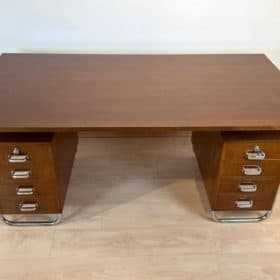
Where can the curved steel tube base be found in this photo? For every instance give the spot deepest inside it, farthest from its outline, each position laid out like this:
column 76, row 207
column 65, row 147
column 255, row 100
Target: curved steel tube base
column 32, row 223
column 240, row 219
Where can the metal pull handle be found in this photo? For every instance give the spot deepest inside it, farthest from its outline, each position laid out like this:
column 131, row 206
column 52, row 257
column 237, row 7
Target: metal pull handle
column 25, row 191
column 244, row 204
column 256, row 154
column 16, row 157
column 21, row 174
column 247, row 187
column 28, row 207
column 251, row 170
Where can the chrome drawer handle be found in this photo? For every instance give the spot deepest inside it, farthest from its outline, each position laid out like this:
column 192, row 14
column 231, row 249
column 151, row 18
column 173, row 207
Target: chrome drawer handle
column 25, row 191
column 247, row 187
column 256, row 154
column 16, row 157
column 251, row 170
column 244, row 204
column 21, row 174
column 28, row 207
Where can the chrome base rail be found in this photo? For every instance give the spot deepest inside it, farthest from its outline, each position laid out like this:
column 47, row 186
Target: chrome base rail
column 32, row 223
column 240, row 219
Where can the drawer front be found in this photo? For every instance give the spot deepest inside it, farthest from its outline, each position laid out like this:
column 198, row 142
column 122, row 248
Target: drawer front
column 13, row 154
column 244, row 202
column 243, row 185
column 22, row 173
column 252, row 168
column 28, row 188
column 243, row 150
column 30, row 205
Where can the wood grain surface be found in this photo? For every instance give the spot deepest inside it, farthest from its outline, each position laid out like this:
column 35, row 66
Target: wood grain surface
column 192, row 92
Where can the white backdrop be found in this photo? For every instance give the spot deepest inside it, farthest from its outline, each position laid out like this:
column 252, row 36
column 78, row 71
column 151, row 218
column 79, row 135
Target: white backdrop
column 139, row 26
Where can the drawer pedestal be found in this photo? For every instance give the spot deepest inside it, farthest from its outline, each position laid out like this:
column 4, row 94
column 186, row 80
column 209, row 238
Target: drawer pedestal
column 35, row 170
column 240, row 170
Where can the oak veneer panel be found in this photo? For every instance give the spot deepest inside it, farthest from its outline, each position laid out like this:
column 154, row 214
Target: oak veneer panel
column 195, row 92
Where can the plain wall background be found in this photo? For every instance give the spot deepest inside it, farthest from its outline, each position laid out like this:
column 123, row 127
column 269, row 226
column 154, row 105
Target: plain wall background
column 139, row 26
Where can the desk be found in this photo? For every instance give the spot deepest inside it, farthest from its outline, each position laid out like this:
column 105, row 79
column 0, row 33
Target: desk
column 230, row 103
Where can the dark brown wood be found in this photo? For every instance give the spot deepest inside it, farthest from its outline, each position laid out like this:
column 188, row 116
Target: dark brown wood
column 38, row 152
column 221, row 156
column 208, row 147
column 264, row 186
column 43, row 171
column 43, row 187
column 54, row 92
column 46, row 205
column 237, row 144
column 139, row 132
column 269, row 168
column 51, row 159
column 132, row 94
column 260, row 202
column 64, row 148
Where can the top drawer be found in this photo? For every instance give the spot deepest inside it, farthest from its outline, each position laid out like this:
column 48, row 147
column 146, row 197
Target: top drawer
column 252, row 146
column 28, row 149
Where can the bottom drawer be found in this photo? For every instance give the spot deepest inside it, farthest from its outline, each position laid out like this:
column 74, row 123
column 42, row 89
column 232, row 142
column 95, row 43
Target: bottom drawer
column 30, row 205
column 239, row 202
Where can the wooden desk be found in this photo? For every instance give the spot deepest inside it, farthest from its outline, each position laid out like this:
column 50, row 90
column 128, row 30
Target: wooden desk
column 46, row 99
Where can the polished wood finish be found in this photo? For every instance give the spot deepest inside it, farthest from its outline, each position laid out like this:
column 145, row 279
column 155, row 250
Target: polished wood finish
column 64, row 148
column 38, row 172
column 237, row 143
column 54, row 92
column 264, row 185
column 36, row 146
column 46, row 205
column 207, row 147
column 43, row 187
column 66, row 94
column 221, row 167
column 227, row 202
column 51, row 157
column 269, row 168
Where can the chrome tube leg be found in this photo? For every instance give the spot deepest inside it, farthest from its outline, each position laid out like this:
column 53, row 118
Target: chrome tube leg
column 32, row 223
column 240, row 219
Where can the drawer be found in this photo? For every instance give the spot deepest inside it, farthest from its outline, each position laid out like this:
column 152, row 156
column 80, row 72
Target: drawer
column 252, row 168
column 38, row 187
column 253, row 149
column 27, row 148
column 30, row 205
column 243, row 185
column 22, row 173
column 245, row 202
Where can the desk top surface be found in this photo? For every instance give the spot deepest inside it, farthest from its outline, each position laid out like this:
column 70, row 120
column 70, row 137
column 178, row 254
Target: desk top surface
column 194, row 92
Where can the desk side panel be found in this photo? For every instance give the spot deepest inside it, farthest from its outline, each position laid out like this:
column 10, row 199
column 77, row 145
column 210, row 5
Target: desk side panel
column 64, row 148
column 208, row 147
